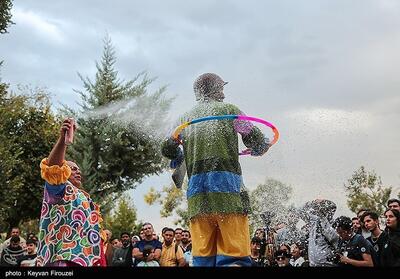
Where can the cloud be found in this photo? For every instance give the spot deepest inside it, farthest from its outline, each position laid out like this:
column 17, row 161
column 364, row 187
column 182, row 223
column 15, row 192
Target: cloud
column 331, row 121
column 48, row 28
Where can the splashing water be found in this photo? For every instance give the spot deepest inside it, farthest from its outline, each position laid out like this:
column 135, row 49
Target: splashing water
column 145, row 114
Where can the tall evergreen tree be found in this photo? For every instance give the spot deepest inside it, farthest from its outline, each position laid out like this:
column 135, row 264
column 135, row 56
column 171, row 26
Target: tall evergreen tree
column 365, row 190
column 115, row 156
column 5, row 15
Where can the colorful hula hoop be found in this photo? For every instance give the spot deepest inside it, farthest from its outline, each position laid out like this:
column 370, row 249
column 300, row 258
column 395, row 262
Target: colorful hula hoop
column 179, row 129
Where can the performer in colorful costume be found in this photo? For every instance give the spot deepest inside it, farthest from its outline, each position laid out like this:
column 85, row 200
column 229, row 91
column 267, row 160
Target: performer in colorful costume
column 70, row 221
column 217, row 201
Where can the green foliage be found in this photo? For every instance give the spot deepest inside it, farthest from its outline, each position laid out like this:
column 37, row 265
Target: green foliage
column 365, row 190
column 272, row 196
column 29, row 226
column 183, row 221
column 172, row 200
column 122, row 219
column 138, row 227
column 112, row 159
column 107, row 87
column 27, row 132
column 5, row 15
column 115, row 156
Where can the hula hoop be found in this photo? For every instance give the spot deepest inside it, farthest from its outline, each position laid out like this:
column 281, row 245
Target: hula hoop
column 179, row 129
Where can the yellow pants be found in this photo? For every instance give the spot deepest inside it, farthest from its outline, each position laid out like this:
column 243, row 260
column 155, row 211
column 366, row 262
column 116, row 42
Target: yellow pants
column 220, row 240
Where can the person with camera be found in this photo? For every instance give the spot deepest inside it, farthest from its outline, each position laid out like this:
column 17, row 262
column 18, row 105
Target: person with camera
column 148, row 257
column 268, row 238
column 139, row 253
column 261, row 235
column 353, row 249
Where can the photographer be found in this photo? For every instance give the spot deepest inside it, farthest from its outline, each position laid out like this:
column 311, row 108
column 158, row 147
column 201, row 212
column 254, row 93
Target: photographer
column 148, row 257
column 267, row 236
column 138, row 250
column 355, row 249
column 261, row 235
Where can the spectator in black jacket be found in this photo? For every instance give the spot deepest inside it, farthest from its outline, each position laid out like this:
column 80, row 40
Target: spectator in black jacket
column 378, row 237
column 391, row 250
column 11, row 252
column 123, row 256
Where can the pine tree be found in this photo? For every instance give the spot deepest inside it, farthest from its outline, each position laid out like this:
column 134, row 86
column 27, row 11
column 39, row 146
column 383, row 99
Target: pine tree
column 5, row 15
column 365, row 190
column 115, row 156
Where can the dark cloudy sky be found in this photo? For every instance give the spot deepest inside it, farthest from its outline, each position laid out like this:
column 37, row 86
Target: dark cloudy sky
column 324, row 72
